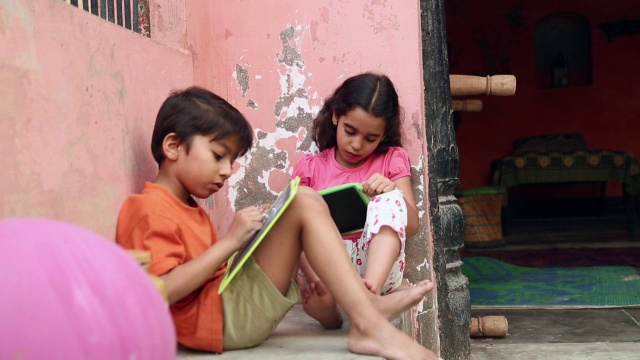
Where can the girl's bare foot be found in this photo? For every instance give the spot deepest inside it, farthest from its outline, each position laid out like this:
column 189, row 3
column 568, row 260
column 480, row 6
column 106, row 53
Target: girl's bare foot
column 405, row 284
column 380, row 338
column 318, row 303
column 394, row 304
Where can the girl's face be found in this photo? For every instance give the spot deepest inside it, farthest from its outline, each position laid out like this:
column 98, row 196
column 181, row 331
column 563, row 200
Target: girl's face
column 358, row 134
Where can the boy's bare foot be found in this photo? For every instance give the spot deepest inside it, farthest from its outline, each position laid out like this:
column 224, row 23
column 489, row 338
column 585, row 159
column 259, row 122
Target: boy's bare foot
column 380, row 338
column 394, row 304
column 318, row 303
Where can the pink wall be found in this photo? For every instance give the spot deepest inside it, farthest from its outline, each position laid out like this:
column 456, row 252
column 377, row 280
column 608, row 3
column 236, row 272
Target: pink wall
column 279, row 67
column 77, row 106
column 80, row 95
column 605, row 112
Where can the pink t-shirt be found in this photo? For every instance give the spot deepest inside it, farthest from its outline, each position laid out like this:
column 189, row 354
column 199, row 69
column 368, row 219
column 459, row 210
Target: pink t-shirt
column 321, row 171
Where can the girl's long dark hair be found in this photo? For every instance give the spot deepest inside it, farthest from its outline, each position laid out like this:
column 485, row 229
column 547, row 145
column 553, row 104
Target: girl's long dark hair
column 375, row 94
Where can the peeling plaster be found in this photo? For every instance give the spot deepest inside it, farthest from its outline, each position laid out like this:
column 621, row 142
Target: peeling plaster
column 424, row 264
column 251, row 104
column 287, row 99
column 292, row 112
column 418, row 184
column 289, row 55
column 242, row 78
column 415, row 124
column 383, row 20
column 20, row 13
column 236, row 178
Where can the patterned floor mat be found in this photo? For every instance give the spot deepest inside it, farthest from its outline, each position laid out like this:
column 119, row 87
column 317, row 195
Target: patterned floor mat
column 493, row 283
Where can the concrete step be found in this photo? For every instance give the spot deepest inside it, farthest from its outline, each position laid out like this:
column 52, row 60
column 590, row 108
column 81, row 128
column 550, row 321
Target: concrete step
column 297, row 337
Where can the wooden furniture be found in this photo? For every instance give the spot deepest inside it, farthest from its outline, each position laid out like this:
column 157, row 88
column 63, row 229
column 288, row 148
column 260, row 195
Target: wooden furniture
column 482, row 208
column 579, row 166
column 469, row 105
column 498, row 85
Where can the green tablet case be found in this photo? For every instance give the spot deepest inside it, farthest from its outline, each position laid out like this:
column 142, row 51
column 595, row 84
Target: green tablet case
column 278, row 207
column 348, row 206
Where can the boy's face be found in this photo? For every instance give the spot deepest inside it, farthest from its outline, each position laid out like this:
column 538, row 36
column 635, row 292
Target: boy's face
column 204, row 168
column 358, row 134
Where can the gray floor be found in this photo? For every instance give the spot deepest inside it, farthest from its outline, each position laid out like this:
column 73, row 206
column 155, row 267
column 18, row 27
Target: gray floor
column 545, row 334
column 563, row 334
column 594, row 334
column 609, row 334
column 297, row 337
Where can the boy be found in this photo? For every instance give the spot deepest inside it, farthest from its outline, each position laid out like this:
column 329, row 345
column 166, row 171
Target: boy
column 196, row 139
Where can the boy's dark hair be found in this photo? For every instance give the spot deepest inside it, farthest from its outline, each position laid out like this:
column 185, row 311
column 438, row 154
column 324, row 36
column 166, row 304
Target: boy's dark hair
column 197, row 111
column 375, row 94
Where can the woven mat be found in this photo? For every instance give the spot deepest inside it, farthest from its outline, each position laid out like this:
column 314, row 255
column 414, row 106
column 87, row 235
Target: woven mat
column 496, row 284
column 562, row 256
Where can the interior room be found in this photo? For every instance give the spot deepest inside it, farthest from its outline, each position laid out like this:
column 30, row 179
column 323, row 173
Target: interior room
column 576, row 68
column 549, row 176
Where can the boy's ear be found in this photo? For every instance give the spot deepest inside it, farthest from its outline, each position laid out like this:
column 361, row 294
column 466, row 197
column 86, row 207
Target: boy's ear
column 170, row 146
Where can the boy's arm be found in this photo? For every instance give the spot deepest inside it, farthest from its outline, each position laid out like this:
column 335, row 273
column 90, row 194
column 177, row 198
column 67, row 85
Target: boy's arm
column 187, row 277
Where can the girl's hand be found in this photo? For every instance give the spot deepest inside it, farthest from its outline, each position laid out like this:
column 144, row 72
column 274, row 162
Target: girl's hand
column 377, row 184
column 245, row 224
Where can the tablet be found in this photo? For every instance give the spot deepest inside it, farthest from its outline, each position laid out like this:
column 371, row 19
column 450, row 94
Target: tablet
column 278, row 207
column 348, row 206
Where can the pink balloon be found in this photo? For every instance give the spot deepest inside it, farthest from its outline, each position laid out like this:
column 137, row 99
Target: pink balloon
column 68, row 293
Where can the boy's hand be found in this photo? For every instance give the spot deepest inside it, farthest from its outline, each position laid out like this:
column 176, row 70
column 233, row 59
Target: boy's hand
column 245, row 224
column 377, row 184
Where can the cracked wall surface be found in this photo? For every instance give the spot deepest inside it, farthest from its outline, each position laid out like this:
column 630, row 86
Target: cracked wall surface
column 297, row 56
column 280, row 72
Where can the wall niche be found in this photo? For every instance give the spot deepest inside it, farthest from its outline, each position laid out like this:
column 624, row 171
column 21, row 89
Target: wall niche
column 563, row 51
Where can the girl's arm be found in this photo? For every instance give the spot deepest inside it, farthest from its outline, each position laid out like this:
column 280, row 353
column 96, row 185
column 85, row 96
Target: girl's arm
column 307, row 270
column 378, row 184
column 404, row 184
column 187, row 277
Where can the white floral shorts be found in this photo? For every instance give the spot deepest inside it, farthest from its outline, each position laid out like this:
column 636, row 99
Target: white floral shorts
column 388, row 209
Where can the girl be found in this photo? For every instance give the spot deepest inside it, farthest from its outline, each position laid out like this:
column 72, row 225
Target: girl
column 359, row 137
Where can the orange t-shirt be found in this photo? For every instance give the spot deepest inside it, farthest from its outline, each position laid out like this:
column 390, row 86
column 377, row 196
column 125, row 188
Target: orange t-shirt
column 174, row 233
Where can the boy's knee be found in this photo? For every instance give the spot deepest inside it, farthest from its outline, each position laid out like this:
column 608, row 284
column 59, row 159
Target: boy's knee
column 308, row 194
column 310, row 198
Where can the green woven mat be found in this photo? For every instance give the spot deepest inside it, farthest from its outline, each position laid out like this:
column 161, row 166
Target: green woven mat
column 496, row 284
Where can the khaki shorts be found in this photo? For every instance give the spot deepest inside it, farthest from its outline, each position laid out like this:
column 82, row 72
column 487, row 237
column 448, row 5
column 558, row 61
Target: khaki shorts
column 253, row 307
